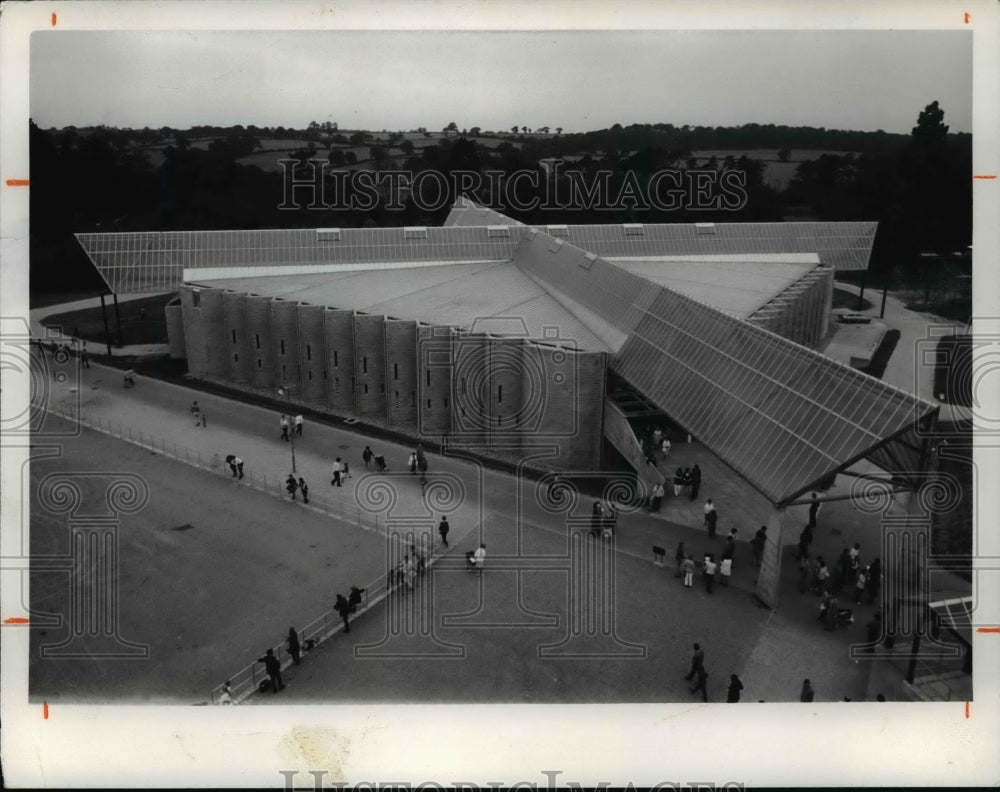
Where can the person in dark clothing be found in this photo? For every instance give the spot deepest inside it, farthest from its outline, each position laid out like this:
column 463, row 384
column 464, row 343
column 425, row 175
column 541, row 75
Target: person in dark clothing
column 84, row 357
column 304, row 489
column 354, row 598
column 344, row 609
column 805, row 539
column 366, row 457
column 757, row 545
column 291, row 485
column 695, row 481
column 596, row 518
column 807, row 694
column 709, row 572
column 711, row 520
column 273, row 669
column 679, row 557
column 697, row 661
column 813, row 510
column 874, row 580
column 701, row 678
column 735, row 686
column 292, row 642
column 730, row 549
column 443, row 529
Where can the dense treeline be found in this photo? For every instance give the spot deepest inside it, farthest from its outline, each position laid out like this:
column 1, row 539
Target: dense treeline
column 917, row 186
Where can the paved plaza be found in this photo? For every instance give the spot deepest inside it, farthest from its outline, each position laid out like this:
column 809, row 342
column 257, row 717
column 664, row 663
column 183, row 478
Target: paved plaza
column 208, row 600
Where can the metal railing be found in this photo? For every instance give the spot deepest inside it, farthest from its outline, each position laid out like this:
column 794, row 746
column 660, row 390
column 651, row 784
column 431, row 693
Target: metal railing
column 334, row 508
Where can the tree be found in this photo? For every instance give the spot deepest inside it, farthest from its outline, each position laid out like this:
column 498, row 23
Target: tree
column 930, row 126
column 452, row 127
column 475, row 131
column 358, row 138
column 784, row 153
column 544, row 130
column 514, row 128
column 379, row 154
column 350, row 158
column 406, row 146
column 559, row 130
column 336, row 158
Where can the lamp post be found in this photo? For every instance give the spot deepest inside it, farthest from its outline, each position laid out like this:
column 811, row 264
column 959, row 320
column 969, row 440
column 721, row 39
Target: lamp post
column 286, row 391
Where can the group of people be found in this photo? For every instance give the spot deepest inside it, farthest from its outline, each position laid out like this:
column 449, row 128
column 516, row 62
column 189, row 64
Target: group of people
column 687, row 481
column 710, row 567
column 700, row 677
column 291, row 486
column 272, row 665
column 405, row 573
column 603, row 520
column 283, row 424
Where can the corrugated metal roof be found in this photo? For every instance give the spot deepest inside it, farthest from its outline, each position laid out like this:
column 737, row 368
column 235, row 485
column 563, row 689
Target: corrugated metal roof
column 469, row 213
column 780, row 414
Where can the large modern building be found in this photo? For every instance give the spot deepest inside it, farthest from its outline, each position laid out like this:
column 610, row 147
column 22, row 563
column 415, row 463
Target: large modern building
column 530, row 342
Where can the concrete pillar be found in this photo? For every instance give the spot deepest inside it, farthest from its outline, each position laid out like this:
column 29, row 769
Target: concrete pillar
column 769, row 578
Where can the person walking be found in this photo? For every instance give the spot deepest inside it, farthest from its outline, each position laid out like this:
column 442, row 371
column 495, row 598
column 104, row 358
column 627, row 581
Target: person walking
column 443, row 529
column 701, row 680
column 758, row 543
column 695, row 482
column 678, row 481
column 679, row 557
column 196, row 413
column 596, row 518
column 657, row 499
column 686, row 481
column 84, row 357
column 366, row 457
column 418, row 559
column 710, row 567
column 273, row 668
column 665, row 448
column 735, row 686
column 299, row 420
column 822, row 577
column 730, row 549
column 291, row 485
column 805, row 539
column 304, row 489
column 283, row 423
column 814, row 508
column 411, row 462
column 657, row 437
column 343, row 608
column 711, row 518
column 338, row 470
column 697, row 661
column 235, row 465
column 688, row 567
column 808, row 694
column 725, row 571
column 294, row 648
column 843, row 571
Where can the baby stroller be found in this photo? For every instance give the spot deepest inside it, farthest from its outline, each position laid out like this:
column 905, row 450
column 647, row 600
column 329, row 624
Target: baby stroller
column 380, row 464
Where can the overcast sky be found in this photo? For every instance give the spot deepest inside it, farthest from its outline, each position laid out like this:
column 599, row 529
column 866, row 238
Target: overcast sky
column 575, row 80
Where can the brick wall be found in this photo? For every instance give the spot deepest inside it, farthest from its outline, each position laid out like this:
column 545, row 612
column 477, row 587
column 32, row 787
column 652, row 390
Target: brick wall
column 174, row 314
column 312, row 354
column 401, row 373
column 369, row 365
column 234, row 314
column 285, row 341
column 259, row 341
column 434, row 372
column 340, row 360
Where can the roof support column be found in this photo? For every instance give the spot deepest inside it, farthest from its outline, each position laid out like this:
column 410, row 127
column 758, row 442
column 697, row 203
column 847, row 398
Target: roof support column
column 769, row 577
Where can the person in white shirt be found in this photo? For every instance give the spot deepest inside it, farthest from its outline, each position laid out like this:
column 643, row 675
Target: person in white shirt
column 725, row 570
column 479, row 558
column 338, row 469
column 298, row 425
column 283, row 423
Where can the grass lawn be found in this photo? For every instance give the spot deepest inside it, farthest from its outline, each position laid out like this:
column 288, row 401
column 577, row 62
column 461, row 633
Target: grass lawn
column 142, row 321
column 845, row 299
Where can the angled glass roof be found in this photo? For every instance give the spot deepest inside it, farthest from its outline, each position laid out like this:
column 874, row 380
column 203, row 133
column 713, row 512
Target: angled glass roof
column 155, row 260
column 781, row 415
column 844, row 246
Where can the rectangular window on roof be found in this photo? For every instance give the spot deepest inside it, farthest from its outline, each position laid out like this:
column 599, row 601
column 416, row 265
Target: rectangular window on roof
column 704, row 229
column 633, row 229
column 558, row 230
column 556, row 244
column 364, row 365
column 256, row 340
column 497, row 231
column 395, row 371
column 282, row 342
column 327, row 234
column 414, row 232
column 588, row 260
column 234, row 336
column 335, row 363
column 428, row 378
